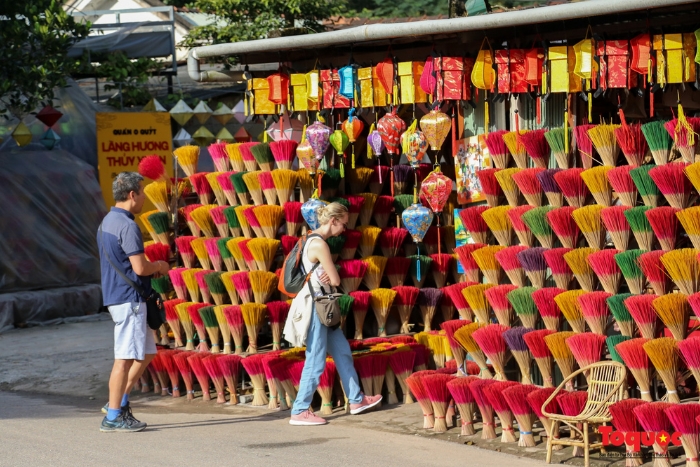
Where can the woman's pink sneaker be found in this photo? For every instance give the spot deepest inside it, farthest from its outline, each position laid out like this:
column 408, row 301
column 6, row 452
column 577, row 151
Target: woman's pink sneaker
column 306, row 418
column 367, row 403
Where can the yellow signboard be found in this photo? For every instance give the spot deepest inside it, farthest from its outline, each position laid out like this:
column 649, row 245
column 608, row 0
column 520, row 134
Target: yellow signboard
column 123, row 139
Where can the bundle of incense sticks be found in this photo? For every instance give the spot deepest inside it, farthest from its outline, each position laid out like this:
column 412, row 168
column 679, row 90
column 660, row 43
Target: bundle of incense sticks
column 243, row 287
column 561, row 353
column 465, row 401
column 202, row 284
column 490, row 186
column 536, row 399
column 181, row 361
column 368, row 239
column 570, row 308
column 524, row 306
column 608, row 272
column 617, row 225
column 659, row 141
column 200, row 249
column 652, row 417
column 474, row 223
column 509, row 260
column 184, row 247
column 577, row 261
column 572, row 404
column 529, row 185
column 464, row 336
column 383, row 207
column 396, row 269
column 564, row 226
column 285, row 182
column 625, row 421
column 558, row 139
column 641, row 309
column 550, row 187
column 361, row 305
column 586, row 348
column 646, row 186
column 391, row 239
column 561, row 272
column 201, row 186
column 664, row 223
column 381, row 301
column 664, row 355
column 415, row 384
column 401, row 178
column 498, row 299
column 684, row 420
column 454, row 292
column 490, row 340
column 173, row 320
column 211, row 324
column 594, row 308
column 522, row 231
column 436, row 388
column 351, row 273
column 536, row 220
column 428, row 300
column 624, row 320
column 621, row 181
column 537, row 147
column 419, row 269
column 354, row 207
column 603, row 138
column 584, row 144
column 253, row 365
column 516, row 396
column 217, row 377
column 690, row 351
column 485, row 258
column 548, row 308
column 476, row 298
column 683, row 268
column 440, row 267
column 367, row 207
column 534, row 264
column 254, row 315
column 596, row 179
column 497, row 148
column 401, row 364
column 252, row 220
column 572, row 186
column 200, row 372
column 469, row 265
column 494, row 393
column 672, row 183
column 516, row 148
column 488, row 423
column 541, row 353
column 636, row 359
column 359, row 178
column 589, row 221
column 518, row 347
column 690, row 220
column 252, row 182
column 450, row 327
column 674, row 311
column 375, row 271
column 352, row 241
column 655, row 271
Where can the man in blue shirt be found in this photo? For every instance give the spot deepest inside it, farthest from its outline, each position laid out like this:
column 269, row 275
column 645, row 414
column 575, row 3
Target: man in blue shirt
column 134, row 343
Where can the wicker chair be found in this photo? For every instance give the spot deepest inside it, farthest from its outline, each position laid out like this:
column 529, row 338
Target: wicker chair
column 605, row 387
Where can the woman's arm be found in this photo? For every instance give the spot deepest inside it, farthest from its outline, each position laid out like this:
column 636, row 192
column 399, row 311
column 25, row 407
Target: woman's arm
column 319, row 252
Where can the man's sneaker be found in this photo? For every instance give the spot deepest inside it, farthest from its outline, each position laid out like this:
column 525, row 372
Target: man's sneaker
column 367, row 403
column 122, row 423
column 105, row 408
column 306, row 418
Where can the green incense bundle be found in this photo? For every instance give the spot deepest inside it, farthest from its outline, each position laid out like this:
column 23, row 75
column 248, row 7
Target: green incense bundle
column 232, row 219
column 645, row 185
column 160, row 221
column 340, row 200
column 263, row 156
column 330, row 182
column 226, row 255
column 335, row 244
column 537, row 222
column 238, row 183
column 425, row 263
column 611, row 342
column 162, row 285
column 620, row 313
column 345, row 303
column 641, row 228
column 208, row 315
column 659, row 141
column 216, row 287
column 627, row 260
column 524, row 306
column 555, row 138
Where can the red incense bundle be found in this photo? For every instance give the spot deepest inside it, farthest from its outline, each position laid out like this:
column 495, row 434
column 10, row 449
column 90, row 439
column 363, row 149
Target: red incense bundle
column 401, row 364
column 536, row 400
column 173, row 320
column 684, row 417
column 624, row 420
column 457, row 351
column 184, row 247
column 489, row 186
column 637, row 361
column 584, row 145
column 586, row 347
column 522, row 231
column 497, row 298
column 548, row 308
column 277, row 312
column 217, row 377
column 359, row 311
column 288, row 242
column 616, row 224
column 253, row 365
column 642, row 312
column 494, row 393
column 415, row 384
column 193, row 311
column 508, row 259
column 497, row 148
column 454, row 292
column 530, row 185
column 490, row 339
column 664, row 223
column 201, row 186
column 248, row 157
column 242, row 284
column 561, row 272
column 236, row 323
column 293, row 217
column 654, row 270
column 595, row 310
column 187, row 213
column 405, row 300
column 422, row 356
column 572, row 404
column 352, row 241
column 621, row 181
column 284, row 152
column 436, row 388
column 383, row 208
column 572, row 186
column 563, row 225
column 355, row 206
column 474, row 223
column 540, row 352
column 351, row 272
column 478, row 388
column 441, row 266
column 170, row 367
column 652, row 417
column 469, row 265
column 464, row 399
column 671, row 181
column 200, row 372
column 605, row 267
column 516, row 397
column 181, row 359
column 229, row 365
column 157, row 252
column 391, row 239
column 537, row 147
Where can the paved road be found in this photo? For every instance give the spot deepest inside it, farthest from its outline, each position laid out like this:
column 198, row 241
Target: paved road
column 59, row 431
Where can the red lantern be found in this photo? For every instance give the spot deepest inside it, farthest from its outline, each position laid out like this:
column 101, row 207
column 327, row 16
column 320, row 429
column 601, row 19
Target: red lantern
column 385, row 73
column 436, row 189
column 279, row 88
column 390, row 127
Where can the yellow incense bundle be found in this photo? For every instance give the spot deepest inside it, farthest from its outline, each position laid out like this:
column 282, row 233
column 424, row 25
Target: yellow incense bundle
column 674, row 311
column 254, row 317
column 499, row 222
column 516, row 148
column 476, row 298
column 485, row 258
column 591, row 225
column 556, row 343
column 464, row 337
column 202, row 217
column 226, row 278
column 264, row 284
column 200, row 249
column 270, row 218
column 508, row 185
column 571, row 309
column 186, row 322
column 234, row 155
column 216, row 188
column 381, row 301
column 596, row 179
column 375, row 271
column 683, row 267
column 368, row 240
column 605, row 143
column 577, row 259
column 663, row 353
column 264, row 251
column 191, row 282
column 253, row 183
column 187, row 157
column 285, row 183
column 157, row 193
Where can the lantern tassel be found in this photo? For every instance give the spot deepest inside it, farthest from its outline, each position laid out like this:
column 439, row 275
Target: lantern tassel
column 391, row 175
column 684, row 125
column 418, row 262
column 319, row 184
column 353, row 156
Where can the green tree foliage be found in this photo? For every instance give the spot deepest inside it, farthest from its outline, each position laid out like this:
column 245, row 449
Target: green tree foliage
column 394, row 9
column 34, row 40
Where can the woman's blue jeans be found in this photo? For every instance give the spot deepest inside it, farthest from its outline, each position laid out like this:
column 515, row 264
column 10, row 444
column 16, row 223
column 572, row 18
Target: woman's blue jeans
column 319, row 341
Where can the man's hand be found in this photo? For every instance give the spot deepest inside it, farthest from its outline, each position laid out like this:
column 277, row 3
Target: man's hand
column 163, row 267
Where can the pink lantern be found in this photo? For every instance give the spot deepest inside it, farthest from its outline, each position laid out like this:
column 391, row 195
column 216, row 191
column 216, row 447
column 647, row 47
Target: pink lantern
column 318, row 136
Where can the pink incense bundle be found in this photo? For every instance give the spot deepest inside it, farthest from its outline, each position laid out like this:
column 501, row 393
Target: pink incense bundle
column 242, row 284
column 216, row 376
column 616, row 224
column 587, row 348
column 248, row 255
column 288, row 243
column 672, row 182
column 391, row 239
column 624, row 186
column 652, row 417
column 625, row 421
column 684, row 135
column 254, row 366
column 469, row 265
column 253, row 222
column 355, row 206
column 464, row 399
column 497, row 298
column 655, row 272
column 187, row 212
column 637, row 361
column 440, row 267
column 201, row 186
column 436, row 388
column 535, row 341
column 584, row 145
column 214, row 253
column 684, row 417
column 284, row 152
column 489, row 186
column 351, row 272
column 396, row 269
column 488, row 425
column 561, row 272
column 251, row 164
column 219, row 156
column 229, row 365
column 642, row 312
column 474, row 223
column 572, row 186
column 530, row 185
column 548, row 308
column 536, row 400
column 605, row 267
column 521, row 229
column 497, row 149
column 200, row 372
column 450, row 327
column 359, row 310
column 183, row 365
column 494, row 393
column 572, row 404
column 184, row 247
column 352, row 241
column 516, row 397
column 383, row 208
column 202, row 283
column 415, row 384
column 267, row 185
column 193, row 312
column 537, row 147
column 664, row 223
column 454, row 292
column 594, row 308
column 508, row 259
column 490, row 340
column 277, row 312
column 550, row 187
column 564, row 226
column 224, row 181
column 292, row 214
column 220, row 221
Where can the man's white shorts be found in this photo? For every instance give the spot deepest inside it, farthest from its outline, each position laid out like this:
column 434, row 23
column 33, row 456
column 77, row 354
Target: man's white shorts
column 133, row 340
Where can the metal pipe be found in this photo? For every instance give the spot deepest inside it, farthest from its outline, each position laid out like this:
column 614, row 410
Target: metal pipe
column 210, row 75
column 375, row 32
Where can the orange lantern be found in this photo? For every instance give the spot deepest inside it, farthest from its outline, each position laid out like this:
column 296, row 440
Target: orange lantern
column 353, row 127
column 279, row 88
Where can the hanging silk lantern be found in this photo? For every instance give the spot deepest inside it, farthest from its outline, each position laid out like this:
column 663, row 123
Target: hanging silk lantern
column 279, row 88
column 306, row 156
column 385, row 74
column 436, row 126
column 390, row 127
column 317, row 134
column 339, row 140
column 309, row 211
column 348, row 79
column 436, row 188
column 417, row 219
column 353, row 127
column 417, row 147
column 404, row 136
column 376, row 142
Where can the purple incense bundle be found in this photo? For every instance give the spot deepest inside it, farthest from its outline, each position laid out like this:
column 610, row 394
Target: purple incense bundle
column 550, row 187
column 517, row 345
column 533, row 262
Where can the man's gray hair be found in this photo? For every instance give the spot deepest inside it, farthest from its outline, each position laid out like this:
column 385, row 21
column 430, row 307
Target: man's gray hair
column 124, row 183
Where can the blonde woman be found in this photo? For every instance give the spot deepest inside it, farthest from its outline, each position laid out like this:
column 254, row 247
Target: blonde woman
column 304, row 328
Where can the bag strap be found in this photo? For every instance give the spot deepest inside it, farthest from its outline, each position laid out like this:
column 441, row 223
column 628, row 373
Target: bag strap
column 133, row 284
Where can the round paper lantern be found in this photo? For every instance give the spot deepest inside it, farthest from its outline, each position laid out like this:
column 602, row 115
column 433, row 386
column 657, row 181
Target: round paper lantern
column 390, row 127
column 318, row 134
column 436, row 125
column 417, row 146
column 309, row 211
